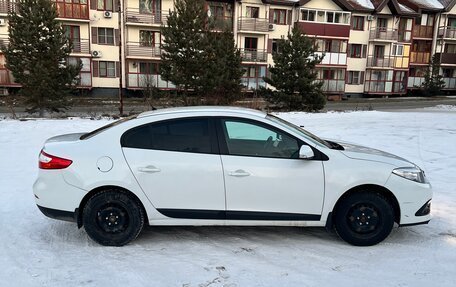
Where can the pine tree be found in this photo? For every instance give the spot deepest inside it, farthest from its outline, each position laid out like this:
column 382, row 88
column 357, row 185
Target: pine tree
column 37, row 56
column 294, row 76
column 197, row 59
column 433, row 81
column 224, row 70
column 184, row 41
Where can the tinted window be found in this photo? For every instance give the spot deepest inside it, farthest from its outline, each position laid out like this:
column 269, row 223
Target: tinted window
column 249, row 139
column 185, row 135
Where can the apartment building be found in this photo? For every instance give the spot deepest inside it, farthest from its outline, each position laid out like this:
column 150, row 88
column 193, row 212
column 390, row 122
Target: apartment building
column 370, row 47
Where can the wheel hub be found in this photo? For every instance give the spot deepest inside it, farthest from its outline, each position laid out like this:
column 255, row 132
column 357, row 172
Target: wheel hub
column 112, row 218
column 363, row 218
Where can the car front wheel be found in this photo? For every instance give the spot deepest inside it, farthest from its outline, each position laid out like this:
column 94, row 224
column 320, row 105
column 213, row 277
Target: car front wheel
column 364, row 219
column 113, row 218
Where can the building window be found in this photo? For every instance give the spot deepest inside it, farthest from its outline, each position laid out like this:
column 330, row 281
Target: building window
column 450, row 48
column 148, row 68
column 148, row 6
column 107, row 69
column 397, row 50
column 279, row 16
column 106, row 36
column 146, row 38
column 355, row 78
column 308, row 15
column 104, row 5
column 275, row 47
column 358, row 23
column 76, row 9
column 253, row 77
column 448, row 73
column 252, row 12
column 356, row 51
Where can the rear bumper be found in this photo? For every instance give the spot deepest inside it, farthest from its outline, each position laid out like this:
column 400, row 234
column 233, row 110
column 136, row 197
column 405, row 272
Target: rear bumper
column 58, row 214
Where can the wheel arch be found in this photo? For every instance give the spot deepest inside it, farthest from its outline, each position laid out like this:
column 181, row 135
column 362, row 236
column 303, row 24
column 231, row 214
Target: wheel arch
column 103, row 188
column 363, row 188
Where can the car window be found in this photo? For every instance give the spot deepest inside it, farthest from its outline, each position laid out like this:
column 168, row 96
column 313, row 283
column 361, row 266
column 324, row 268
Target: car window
column 183, row 135
column 250, row 139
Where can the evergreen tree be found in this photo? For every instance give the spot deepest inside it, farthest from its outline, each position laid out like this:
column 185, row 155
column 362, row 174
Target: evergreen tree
column 184, row 42
column 224, row 70
column 294, row 76
column 433, row 81
column 37, row 56
column 197, row 59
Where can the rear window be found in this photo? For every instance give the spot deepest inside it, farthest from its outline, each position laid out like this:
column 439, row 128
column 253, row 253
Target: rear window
column 108, row 126
column 185, row 135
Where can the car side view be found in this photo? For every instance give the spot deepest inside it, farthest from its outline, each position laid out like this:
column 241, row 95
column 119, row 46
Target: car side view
column 224, row 166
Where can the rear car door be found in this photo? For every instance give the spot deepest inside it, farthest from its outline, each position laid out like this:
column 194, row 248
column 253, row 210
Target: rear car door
column 264, row 177
column 177, row 164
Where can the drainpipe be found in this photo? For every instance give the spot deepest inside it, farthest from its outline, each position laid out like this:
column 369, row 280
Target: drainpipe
column 121, row 62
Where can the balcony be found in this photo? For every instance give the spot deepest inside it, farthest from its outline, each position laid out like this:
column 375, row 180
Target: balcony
column 383, row 34
column 333, row 86
column 138, row 50
column 80, row 46
column 450, row 83
column 6, row 78
column 222, row 23
column 447, row 32
column 376, row 62
column 254, row 55
column 7, row 6
column 378, row 87
column 333, row 58
column 415, row 82
column 141, row 81
column 446, row 58
column 4, row 40
column 420, row 57
column 324, row 29
column 135, row 16
column 253, row 24
column 66, row 9
column 423, row 31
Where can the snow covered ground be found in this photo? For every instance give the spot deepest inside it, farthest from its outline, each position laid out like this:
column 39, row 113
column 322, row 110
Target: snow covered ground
column 37, row 251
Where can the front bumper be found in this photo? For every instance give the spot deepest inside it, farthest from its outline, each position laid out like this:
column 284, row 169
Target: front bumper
column 413, row 198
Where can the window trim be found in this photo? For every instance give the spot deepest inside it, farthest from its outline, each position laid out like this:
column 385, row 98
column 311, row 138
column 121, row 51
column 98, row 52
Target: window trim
column 213, row 137
column 105, row 36
column 356, row 26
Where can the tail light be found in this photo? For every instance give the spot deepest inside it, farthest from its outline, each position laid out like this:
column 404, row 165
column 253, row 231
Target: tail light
column 47, row 161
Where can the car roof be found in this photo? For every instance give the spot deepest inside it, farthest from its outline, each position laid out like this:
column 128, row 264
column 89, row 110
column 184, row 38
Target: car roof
column 204, row 109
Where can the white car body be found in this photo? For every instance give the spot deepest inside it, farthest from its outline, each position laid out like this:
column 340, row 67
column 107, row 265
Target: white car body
column 244, row 190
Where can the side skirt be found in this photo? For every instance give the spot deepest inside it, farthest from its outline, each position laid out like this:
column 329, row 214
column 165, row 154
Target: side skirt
column 237, row 215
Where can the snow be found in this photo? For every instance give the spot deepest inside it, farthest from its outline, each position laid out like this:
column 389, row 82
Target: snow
column 432, row 4
column 37, row 251
column 364, row 3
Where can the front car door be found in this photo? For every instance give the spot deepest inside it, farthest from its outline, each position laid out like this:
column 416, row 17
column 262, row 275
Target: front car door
column 177, row 164
column 264, row 178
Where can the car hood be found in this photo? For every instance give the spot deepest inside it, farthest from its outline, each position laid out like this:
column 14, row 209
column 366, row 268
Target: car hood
column 355, row 151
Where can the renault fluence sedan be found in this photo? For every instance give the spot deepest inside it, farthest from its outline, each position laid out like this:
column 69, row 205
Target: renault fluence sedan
column 224, row 166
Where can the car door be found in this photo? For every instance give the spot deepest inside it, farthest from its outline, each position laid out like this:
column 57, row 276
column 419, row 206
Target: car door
column 264, row 177
column 177, row 164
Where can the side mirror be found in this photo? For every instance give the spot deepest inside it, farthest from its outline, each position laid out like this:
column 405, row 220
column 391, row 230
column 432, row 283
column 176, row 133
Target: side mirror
column 306, row 152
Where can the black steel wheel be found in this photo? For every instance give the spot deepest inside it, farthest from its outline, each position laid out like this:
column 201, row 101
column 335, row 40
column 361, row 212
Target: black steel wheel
column 364, row 219
column 113, row 217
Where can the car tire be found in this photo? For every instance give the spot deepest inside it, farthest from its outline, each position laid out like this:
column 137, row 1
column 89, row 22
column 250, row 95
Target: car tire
column 364, row 219
column 113, row 217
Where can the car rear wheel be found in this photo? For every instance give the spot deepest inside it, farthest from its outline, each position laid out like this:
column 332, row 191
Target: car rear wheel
column 364, row 219
column 113, row 218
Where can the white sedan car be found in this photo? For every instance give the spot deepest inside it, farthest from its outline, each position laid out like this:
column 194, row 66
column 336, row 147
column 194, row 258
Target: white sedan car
column 224, row 166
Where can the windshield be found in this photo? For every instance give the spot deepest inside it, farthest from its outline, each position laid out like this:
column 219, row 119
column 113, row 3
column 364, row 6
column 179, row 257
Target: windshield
column 298, row 130
column 108, row 126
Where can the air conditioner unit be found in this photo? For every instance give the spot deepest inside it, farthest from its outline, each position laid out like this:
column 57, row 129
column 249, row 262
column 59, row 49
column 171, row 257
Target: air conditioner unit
column 107, row 14
column 370, row 17
column 2, row 22
column 271, row 27
column 96, row 54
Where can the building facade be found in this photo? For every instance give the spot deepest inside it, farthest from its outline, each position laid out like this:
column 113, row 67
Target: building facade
column 370, row 47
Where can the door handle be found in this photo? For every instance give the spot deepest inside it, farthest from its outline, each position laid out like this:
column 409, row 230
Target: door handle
column 239, row 173
column 149, row 169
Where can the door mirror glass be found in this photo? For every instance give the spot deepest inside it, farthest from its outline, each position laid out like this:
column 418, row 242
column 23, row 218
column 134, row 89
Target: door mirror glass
column 306, row 152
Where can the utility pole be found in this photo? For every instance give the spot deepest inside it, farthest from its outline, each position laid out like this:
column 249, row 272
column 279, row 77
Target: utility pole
column 120, row 57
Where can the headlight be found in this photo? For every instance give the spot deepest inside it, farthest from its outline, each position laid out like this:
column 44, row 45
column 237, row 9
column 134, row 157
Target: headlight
column 412, row 173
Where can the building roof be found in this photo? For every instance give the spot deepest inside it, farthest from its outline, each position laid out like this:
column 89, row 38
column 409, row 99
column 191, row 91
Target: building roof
column 448, row 4
column 425, row 5
column 361, row 5
column 281, row 2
